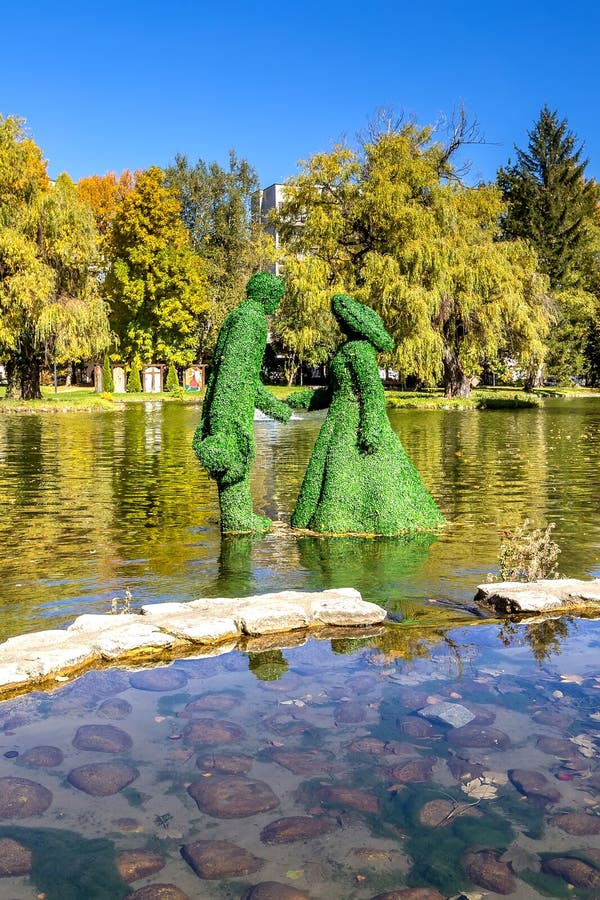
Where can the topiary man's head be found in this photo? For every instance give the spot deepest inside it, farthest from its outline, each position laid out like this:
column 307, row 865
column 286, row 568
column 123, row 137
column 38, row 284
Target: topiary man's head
column 267, row 289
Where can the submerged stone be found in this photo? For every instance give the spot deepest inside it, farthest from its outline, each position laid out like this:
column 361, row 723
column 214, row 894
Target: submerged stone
column 417, row 729
column 114, row 708
column 410, row 894
column 135, row 864
column 413, row 770
column 296, row 828
column 479, row 736
column 213, row 702
column 158, row 679
column 212, row 731
column 535, row 786
column 232, row 796
column 487, row 870
column 302, row 762
column 44, row 757
column 348, row 713
column 21, row 798
column 436, row 812
column 102, row 738
column 557, row 747
column 219, row 859
column 102, row 779
column 158, row 892
column 454, row 714
column 15, row 859
column 573, row 871
column 578, row 823
column 348, row 798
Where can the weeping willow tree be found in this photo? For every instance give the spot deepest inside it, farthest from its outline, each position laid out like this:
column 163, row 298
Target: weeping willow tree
column 392, row 224
column 50, row 308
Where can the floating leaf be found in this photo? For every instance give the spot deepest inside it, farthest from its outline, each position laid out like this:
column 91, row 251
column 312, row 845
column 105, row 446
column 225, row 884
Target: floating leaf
column 572, row 679
column 294, row 874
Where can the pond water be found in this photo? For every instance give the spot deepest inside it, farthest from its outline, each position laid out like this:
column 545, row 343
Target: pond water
column 312, row 767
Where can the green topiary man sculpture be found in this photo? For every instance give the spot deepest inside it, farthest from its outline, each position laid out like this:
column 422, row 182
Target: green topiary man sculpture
column 359, row 479
column 224, row 439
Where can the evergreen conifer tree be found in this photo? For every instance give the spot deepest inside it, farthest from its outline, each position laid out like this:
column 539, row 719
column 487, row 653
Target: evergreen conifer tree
column 172, row 382
column 134, row 382
column 108, row 385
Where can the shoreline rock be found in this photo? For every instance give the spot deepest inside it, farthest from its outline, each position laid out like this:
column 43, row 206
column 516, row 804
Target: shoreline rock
column 552, row 595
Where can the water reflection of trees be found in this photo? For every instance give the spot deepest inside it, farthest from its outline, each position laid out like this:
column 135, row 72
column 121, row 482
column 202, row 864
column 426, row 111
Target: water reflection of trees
column 544, row 637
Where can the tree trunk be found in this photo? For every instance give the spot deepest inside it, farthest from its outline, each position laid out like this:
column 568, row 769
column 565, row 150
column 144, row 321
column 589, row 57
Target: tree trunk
column 12, row 386
column 456, row 383
column 534, row 376
column 29, row 379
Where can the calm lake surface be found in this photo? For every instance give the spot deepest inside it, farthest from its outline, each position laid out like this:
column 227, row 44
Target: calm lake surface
column 315, row 762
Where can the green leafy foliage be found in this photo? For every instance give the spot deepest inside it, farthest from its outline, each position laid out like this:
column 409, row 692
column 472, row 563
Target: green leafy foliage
column 108, row 384
column 359, row 479
column 224, row 439
column 155, row 283
column 268, row 666
column 391, row 224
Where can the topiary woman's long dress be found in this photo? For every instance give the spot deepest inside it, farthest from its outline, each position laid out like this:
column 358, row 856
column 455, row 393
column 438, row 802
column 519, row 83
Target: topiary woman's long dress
column 359, row 479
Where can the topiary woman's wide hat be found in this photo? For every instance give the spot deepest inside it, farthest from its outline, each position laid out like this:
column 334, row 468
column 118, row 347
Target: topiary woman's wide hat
column 361, row 320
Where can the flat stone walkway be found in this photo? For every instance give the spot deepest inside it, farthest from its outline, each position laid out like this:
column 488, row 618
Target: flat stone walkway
column 206, row 626
column 555, row 595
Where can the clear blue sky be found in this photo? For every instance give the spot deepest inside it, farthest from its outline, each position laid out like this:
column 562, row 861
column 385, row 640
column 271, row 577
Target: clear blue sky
column 113, row 85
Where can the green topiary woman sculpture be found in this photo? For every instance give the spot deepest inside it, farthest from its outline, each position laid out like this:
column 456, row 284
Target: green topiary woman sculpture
column 359, row 479
column 224, row 440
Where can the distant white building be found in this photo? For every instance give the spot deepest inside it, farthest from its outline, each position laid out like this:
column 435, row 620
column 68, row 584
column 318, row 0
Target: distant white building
column 265, row 201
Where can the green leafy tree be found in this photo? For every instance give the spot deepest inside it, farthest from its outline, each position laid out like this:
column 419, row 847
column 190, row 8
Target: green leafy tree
column 216, row 210
column 553, row 207
column 393, row 226
column 155, row 282
column 108, row 384
column 50, row 307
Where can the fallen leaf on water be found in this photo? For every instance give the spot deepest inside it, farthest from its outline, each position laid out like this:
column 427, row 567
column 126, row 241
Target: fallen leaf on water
column 294, row 874
column 572, row 679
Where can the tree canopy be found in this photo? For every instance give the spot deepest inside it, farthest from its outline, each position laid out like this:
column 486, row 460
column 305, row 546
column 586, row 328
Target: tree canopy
column 393, row 226
column 155, row 283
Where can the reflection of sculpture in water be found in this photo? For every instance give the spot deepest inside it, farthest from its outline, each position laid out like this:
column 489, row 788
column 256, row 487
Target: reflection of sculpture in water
column 224, row 440
column 359, row 479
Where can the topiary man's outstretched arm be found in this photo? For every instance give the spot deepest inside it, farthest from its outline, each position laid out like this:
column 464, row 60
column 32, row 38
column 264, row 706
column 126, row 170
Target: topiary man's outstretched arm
column 317, row 399
column 270, row 405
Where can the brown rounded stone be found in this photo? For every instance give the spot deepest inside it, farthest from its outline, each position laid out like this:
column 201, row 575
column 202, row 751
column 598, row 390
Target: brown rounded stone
column 557, row 747
column 212, row 731
column 487, row 870
column 483, row 715
column 348, row 713
column 232, row 796
column 462, row 768
column 348, row 798
column 372, row 746
column 114, row 708
column 134, row 864
column 219, row 859
column 436, row 812
column 296, row 828
column 212, row 702
column 413, row 770
column 479, row 736
column 158, row 892
column 43, row 757
column 553, row 717
column 15, row 859
column 158, row 679
column 302, row 762
column 274, row 890
column 574, row 871
column 102, row 738
column 102, row 779
column 534, row 786
column 21, row 798
column 410, row 894
column 415, row 727
column 231, row 764
column 362, row 684
column 577, row 823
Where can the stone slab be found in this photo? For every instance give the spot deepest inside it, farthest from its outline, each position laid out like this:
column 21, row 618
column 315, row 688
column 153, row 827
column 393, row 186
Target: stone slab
column 454, row 714
column 547, row 595
column 216, row 624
